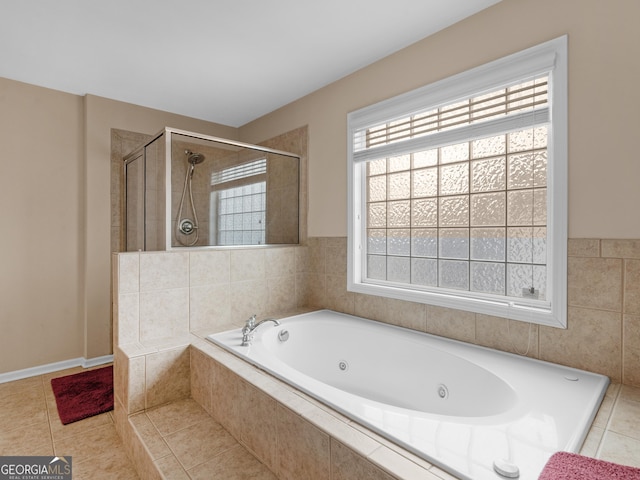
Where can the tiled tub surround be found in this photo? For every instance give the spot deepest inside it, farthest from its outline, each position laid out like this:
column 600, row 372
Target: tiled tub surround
column 494, row 400
column 162, row 299
column 603, row 333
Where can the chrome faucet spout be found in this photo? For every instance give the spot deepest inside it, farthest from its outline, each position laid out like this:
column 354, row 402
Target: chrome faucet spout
column 251, row 325
column 275, row 322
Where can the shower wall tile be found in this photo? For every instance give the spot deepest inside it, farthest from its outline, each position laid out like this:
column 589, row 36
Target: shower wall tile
column 280, row 262
column 128, row 265
column 450, row 323
column 336, row 256
column 583, row 247
column 595, row 283
column 167, row 376
column 127, row 319
column 248, row 298
column 201, row 291
column 621, row 248
column 407, row 314
column 209, row 267
column 317, row 255
column 247, row 265
column 209, row 307
column 631, row 350
column 336, row 295
column 507, row 335
column 311, row 287
column 161, row 271
column 281, row 294
column 135, row 385
column 164, row 314
column 591, row 342
column 632, row 287
column 302, row 259
column 370, row 306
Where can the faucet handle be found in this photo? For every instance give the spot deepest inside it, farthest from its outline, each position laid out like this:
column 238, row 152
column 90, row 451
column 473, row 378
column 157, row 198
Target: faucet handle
column 251, row 322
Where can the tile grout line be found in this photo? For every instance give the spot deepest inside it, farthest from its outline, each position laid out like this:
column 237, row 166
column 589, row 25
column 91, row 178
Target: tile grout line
column 46, row 407
column 609, row 420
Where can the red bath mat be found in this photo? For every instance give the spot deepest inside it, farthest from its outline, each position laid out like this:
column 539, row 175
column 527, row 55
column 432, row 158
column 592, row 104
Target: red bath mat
column 84, row 394
column 571, row 466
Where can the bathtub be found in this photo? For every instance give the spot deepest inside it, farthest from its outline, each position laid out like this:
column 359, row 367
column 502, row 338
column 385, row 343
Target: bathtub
column 475, row 412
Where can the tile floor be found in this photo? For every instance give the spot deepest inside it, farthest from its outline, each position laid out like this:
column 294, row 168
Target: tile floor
column 615, row 433
column 29, row 425
column 186, row 443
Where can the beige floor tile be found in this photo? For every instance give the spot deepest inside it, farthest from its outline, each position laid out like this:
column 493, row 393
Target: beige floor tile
column 625, row 418
column 20, row 387
column 22, row 409
column 177, row 415
column 60, row 431
column 89, row 443
column 234, row 464
column 110, row 465
column 620, row 449
column 630, row 393
column 171, row 469
column 149, row 434
column 592, row 442
column 199, row 443
column 606, row 407
column 32, row 437
column 30, row 425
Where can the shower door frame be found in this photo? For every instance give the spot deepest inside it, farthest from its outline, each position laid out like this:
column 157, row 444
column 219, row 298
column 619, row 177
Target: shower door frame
column 141, row 151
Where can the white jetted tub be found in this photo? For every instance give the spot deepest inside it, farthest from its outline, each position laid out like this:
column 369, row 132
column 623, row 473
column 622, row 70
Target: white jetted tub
column 475, row 412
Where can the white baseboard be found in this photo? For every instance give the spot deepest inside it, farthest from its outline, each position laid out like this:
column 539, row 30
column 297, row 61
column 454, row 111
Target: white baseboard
column 54, row 367
column 92, row 362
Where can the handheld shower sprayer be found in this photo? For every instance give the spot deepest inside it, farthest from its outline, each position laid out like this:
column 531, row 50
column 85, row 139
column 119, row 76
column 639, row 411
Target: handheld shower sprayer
column 186, row 226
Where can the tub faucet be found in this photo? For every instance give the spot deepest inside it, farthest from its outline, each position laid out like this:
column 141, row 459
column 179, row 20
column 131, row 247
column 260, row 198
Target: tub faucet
column 250, row 326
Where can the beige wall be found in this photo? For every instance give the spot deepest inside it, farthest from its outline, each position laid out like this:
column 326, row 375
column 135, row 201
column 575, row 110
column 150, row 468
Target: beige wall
column 604, row 74
column 40, row 225
column 55, row 204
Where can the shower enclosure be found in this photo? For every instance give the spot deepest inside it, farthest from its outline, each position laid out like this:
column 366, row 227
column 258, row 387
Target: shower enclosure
column 185, row 189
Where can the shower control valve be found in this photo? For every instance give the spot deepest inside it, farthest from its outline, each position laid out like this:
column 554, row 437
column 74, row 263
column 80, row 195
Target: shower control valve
column 187, row 227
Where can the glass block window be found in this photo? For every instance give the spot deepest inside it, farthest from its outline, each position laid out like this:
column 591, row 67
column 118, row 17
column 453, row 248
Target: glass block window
column 470, row 216
column 239, row 199
column 461, row 201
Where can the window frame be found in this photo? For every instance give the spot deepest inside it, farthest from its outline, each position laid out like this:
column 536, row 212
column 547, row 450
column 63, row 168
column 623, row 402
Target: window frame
column 547, row 58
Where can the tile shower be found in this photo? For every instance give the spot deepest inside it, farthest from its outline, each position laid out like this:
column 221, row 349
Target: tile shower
column 164, row 302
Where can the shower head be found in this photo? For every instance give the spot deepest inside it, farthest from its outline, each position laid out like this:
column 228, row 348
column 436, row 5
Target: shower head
column 194, row 158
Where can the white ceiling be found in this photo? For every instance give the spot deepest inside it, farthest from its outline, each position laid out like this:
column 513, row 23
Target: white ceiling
column 226, row 61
